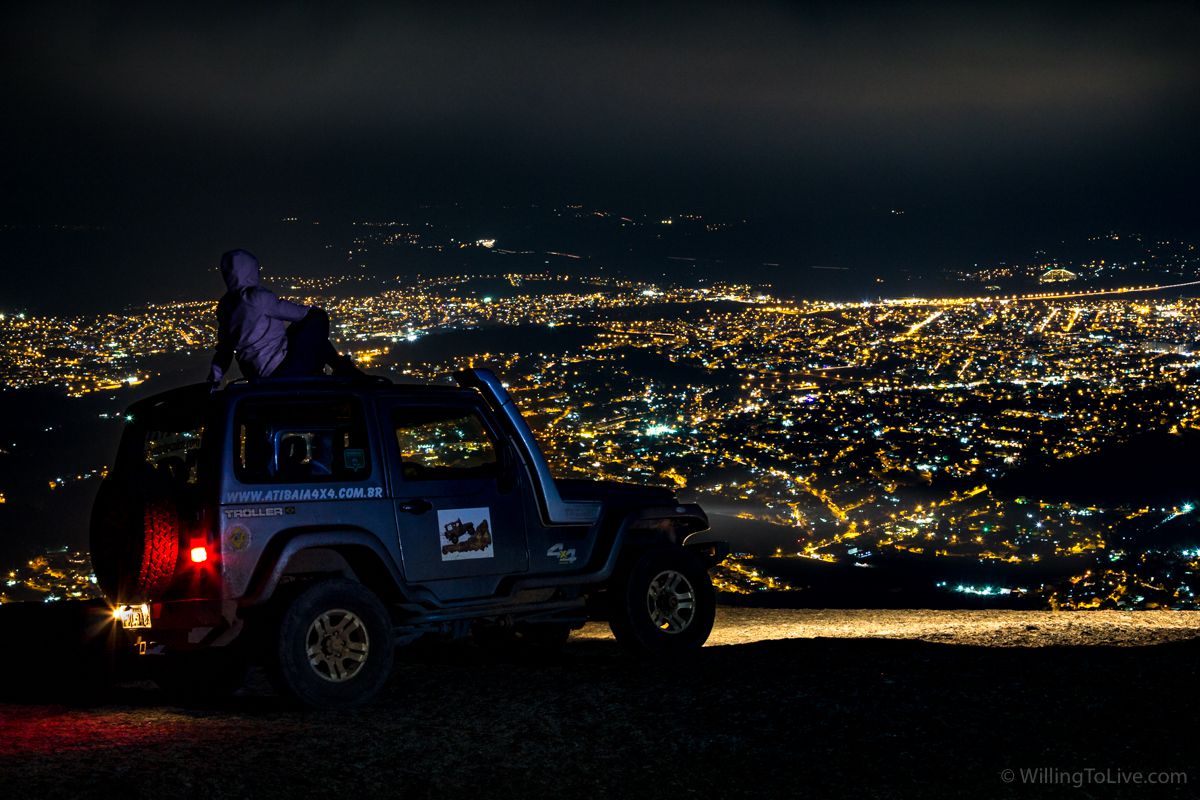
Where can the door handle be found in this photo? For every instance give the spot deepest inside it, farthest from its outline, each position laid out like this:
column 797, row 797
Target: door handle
column 417, row 506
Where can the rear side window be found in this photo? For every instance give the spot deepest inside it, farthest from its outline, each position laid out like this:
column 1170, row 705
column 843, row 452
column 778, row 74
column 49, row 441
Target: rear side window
column 167, row 438
column 300, row 441
column 439, row 443
column 175, row 453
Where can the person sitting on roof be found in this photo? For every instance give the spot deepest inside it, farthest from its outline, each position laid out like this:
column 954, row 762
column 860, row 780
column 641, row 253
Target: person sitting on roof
column 271, row 338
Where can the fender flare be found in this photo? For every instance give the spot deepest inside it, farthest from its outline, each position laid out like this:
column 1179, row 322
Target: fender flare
column 626, row 533
column 266, row 578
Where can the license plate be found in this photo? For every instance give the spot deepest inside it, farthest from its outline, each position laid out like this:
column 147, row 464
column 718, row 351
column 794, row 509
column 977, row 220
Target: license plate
column 133, row 616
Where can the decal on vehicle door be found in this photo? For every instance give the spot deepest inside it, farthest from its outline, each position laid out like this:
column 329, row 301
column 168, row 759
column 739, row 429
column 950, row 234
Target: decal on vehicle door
column 564, row 554
column 291, row 495
column 465, row 533
column 355, row 459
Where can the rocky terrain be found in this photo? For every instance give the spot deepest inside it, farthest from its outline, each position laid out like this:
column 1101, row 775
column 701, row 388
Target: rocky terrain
column 856, row 703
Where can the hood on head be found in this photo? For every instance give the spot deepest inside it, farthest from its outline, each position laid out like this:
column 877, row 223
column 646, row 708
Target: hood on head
column 239, row 268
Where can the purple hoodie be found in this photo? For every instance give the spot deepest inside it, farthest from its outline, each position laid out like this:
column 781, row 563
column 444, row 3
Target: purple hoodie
column 250, row 320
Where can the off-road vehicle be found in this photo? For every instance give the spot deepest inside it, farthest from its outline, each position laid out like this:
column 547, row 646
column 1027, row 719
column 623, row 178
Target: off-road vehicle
column 316, row 524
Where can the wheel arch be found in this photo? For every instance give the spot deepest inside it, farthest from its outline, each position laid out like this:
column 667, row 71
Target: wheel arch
column 354, row 555
column 677, row 526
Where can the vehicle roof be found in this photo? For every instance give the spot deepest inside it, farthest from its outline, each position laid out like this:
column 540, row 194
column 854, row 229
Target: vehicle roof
column 200, row 394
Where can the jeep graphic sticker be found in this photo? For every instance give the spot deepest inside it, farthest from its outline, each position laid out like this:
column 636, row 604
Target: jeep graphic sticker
column 465, row 533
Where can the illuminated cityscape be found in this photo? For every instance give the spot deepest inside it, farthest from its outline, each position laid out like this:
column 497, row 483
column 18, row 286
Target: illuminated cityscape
column 58, row 574
column 876, row 434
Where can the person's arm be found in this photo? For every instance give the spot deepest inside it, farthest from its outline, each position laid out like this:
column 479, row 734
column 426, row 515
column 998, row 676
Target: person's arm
column 222, row 358
column 286, row 309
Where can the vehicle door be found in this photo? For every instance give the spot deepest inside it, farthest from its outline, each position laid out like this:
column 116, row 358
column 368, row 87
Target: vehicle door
column 458, row 509
column 299, row 462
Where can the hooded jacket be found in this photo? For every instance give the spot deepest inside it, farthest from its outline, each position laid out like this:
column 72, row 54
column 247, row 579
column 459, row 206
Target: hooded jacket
column 250, row 320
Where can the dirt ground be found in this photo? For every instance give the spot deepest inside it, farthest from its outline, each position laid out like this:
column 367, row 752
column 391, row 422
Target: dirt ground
column 984, row 628
column 877, row 704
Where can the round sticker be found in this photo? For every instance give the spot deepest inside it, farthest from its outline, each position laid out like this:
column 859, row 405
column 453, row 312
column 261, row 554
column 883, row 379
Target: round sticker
column 239, row 538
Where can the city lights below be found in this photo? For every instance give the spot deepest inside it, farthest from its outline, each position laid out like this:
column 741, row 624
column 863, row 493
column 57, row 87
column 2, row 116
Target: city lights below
column 872, row 434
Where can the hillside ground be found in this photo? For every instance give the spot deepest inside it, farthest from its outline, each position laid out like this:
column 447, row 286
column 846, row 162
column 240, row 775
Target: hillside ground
column 782, row 704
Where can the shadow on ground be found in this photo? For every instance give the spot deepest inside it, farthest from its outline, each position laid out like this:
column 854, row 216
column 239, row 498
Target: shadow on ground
column 803, row 717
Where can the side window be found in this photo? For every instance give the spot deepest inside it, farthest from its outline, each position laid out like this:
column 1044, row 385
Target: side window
column 174, row 452
column 300, row 441
column 167, row 438
column 443, row 444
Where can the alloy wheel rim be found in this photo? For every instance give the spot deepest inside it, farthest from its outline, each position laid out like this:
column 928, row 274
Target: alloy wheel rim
column 337, row 645
column 671, row 601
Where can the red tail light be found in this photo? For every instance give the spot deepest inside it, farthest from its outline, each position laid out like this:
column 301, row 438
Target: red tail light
column 199, row 555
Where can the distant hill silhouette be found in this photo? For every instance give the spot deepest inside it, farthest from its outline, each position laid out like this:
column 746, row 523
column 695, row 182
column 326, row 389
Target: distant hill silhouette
column 1156, row 469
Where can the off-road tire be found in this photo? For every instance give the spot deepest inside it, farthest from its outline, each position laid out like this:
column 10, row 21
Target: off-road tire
column 134, row 533
column 160, row 545
column 310, row 623
column 640, row 596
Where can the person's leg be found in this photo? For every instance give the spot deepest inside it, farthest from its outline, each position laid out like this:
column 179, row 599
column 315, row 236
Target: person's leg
column 309, row 348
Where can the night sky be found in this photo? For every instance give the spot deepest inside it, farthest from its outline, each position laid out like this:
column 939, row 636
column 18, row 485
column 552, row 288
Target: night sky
column 988, row 121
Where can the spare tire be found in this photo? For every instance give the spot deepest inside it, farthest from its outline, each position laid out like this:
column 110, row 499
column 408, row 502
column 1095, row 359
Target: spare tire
column 135, row 532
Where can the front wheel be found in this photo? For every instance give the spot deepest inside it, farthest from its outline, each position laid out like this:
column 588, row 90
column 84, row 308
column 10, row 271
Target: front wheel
column 334, row 647
column 663, row 603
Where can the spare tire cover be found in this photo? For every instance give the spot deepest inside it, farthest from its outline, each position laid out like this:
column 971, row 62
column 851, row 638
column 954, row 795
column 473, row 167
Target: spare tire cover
column 135, row 531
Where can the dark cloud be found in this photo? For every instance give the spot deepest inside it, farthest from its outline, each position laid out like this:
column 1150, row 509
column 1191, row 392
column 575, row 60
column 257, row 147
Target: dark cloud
column 937, row 98
column 387, row 70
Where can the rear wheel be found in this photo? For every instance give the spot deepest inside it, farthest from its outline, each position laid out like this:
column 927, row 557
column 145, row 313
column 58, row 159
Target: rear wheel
column 334, row 646
column 663, row 603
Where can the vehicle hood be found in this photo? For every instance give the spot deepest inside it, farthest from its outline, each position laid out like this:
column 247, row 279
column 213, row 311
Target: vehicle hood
column 614, row 492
